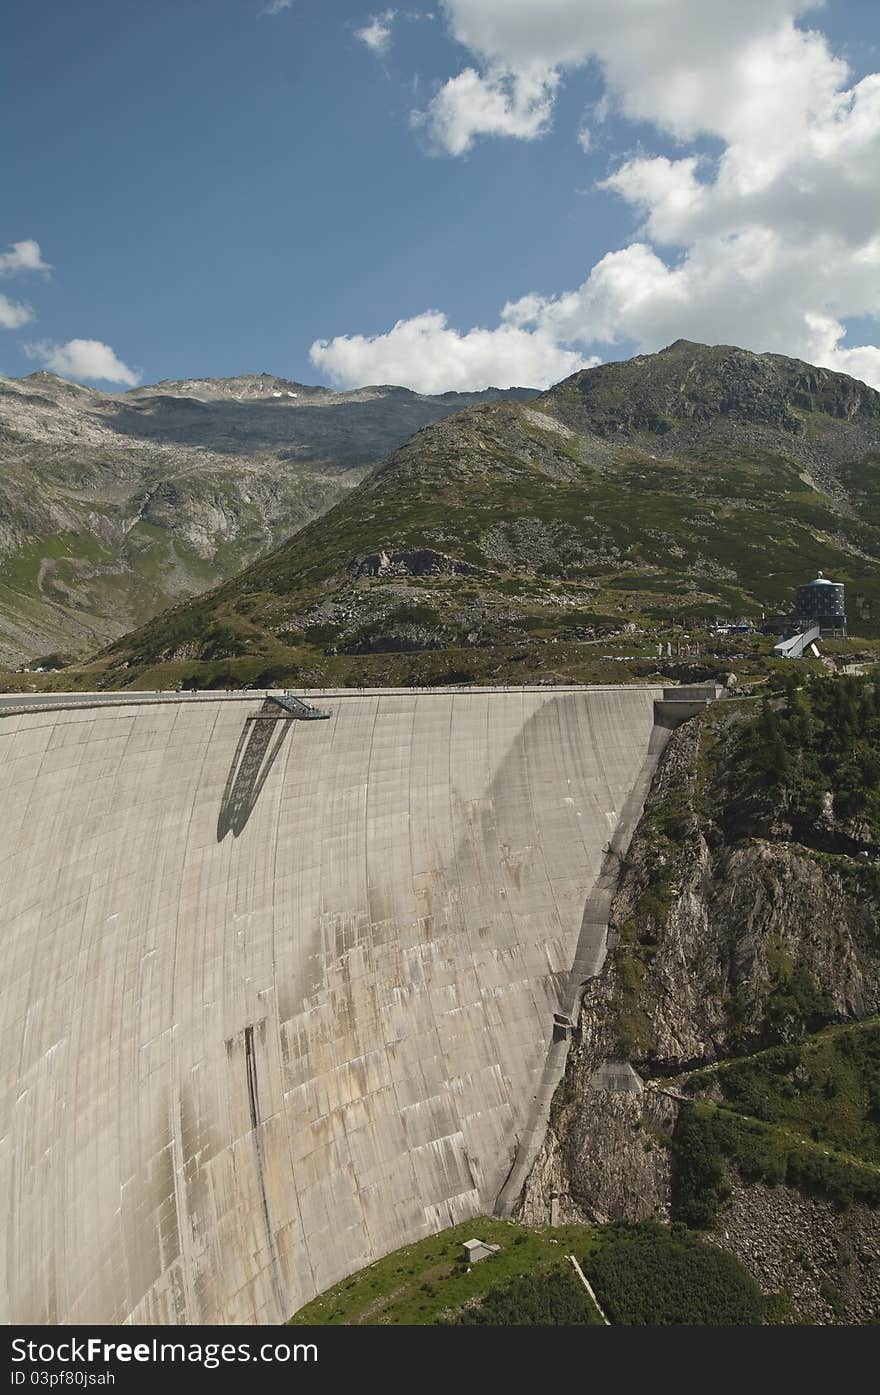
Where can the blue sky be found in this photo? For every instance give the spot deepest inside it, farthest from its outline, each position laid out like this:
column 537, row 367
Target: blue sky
column 221, row 189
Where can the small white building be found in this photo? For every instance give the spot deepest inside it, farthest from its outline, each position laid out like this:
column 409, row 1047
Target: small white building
column 474, row 1250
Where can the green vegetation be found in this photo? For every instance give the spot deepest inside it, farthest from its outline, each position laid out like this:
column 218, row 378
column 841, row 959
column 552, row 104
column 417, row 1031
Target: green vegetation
column 624, row 516
column 779, row 788
column 553, row 1299
column 794, row 1002
column 798, row 766
column 807, row 1114
column 823, row 741
column 641, row 1274
column 429, row 1281
column 664, row 826
column 105, row 565
column 708, row 1137
column 827, row 1088
column 653, row 1275
column 700, row 1183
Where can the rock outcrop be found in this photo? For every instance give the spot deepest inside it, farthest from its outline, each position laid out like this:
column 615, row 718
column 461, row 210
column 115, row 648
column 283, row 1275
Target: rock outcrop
column 726, row 943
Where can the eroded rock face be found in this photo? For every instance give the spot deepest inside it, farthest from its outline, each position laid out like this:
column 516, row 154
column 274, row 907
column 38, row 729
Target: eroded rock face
column 605, row 1156
column 695, row 383
column 711, row 949
column 735, row 913
column 419, row 561
column 735, row 908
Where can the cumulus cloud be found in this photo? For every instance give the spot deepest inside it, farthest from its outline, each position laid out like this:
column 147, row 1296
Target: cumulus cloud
column 21, row 257
column 14, row 313
column 424, row 353
column 377, row 34
column 748, row 288
column 670, row 60
column 772, row 244
column 733, row 68
column 495, row 103
column 83, row 358
column 276, row 6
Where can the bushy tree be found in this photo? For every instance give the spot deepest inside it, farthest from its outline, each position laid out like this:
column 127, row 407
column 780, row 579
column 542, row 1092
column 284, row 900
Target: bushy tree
column 654, row 1275
column 823, row 739
column 554, row 1299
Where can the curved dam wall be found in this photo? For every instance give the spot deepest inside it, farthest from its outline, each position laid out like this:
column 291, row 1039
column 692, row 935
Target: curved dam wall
column 278, row 995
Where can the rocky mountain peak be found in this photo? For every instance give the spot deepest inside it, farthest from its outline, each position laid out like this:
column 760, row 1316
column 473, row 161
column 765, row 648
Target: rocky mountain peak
column 690, row 382
column 681, row 346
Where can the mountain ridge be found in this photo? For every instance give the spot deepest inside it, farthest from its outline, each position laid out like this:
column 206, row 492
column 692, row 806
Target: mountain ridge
column 702, row 480
column 114, row 505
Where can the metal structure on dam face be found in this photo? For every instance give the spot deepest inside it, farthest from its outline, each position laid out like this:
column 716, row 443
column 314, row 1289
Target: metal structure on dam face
column 278, row 995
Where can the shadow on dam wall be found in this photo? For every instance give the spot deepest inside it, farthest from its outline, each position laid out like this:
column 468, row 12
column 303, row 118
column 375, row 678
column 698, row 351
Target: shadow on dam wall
column 336, row 1024
column 588, row 961
column 259, row 746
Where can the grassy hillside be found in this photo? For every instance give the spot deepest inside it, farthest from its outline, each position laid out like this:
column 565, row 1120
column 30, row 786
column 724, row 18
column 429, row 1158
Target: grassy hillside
column 681, row 485
column 114, row 506
column 640, row 1274
column 428, row 1280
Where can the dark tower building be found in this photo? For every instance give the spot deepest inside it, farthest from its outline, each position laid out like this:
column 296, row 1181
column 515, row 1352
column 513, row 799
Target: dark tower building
column 821, row 602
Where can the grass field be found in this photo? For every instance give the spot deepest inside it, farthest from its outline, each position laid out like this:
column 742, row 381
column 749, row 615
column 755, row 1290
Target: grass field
column 428, row 1280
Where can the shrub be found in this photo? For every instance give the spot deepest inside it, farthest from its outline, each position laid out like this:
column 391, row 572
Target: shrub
column 556, row 1299
column 653, row 1275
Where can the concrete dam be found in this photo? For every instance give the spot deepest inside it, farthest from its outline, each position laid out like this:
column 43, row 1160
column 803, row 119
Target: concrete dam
column 280, row 996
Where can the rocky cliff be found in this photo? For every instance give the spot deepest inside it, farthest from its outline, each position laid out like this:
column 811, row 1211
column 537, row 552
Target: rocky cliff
column 726, row 1066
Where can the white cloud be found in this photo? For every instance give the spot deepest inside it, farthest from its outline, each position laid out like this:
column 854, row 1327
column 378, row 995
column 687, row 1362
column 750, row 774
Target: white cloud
column 276, row 6
column 685, row 65
column 21, row 257
column 860, row 362
column 585, row 139
column 772, row 245
column 377, row 34
column 662, row 58
column 748, row 288
column 14, row 314
column 425, row 354
column 495, row 103
column 83, row 358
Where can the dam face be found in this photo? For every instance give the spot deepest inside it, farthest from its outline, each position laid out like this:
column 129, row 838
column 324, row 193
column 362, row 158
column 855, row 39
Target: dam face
column 278, row 995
